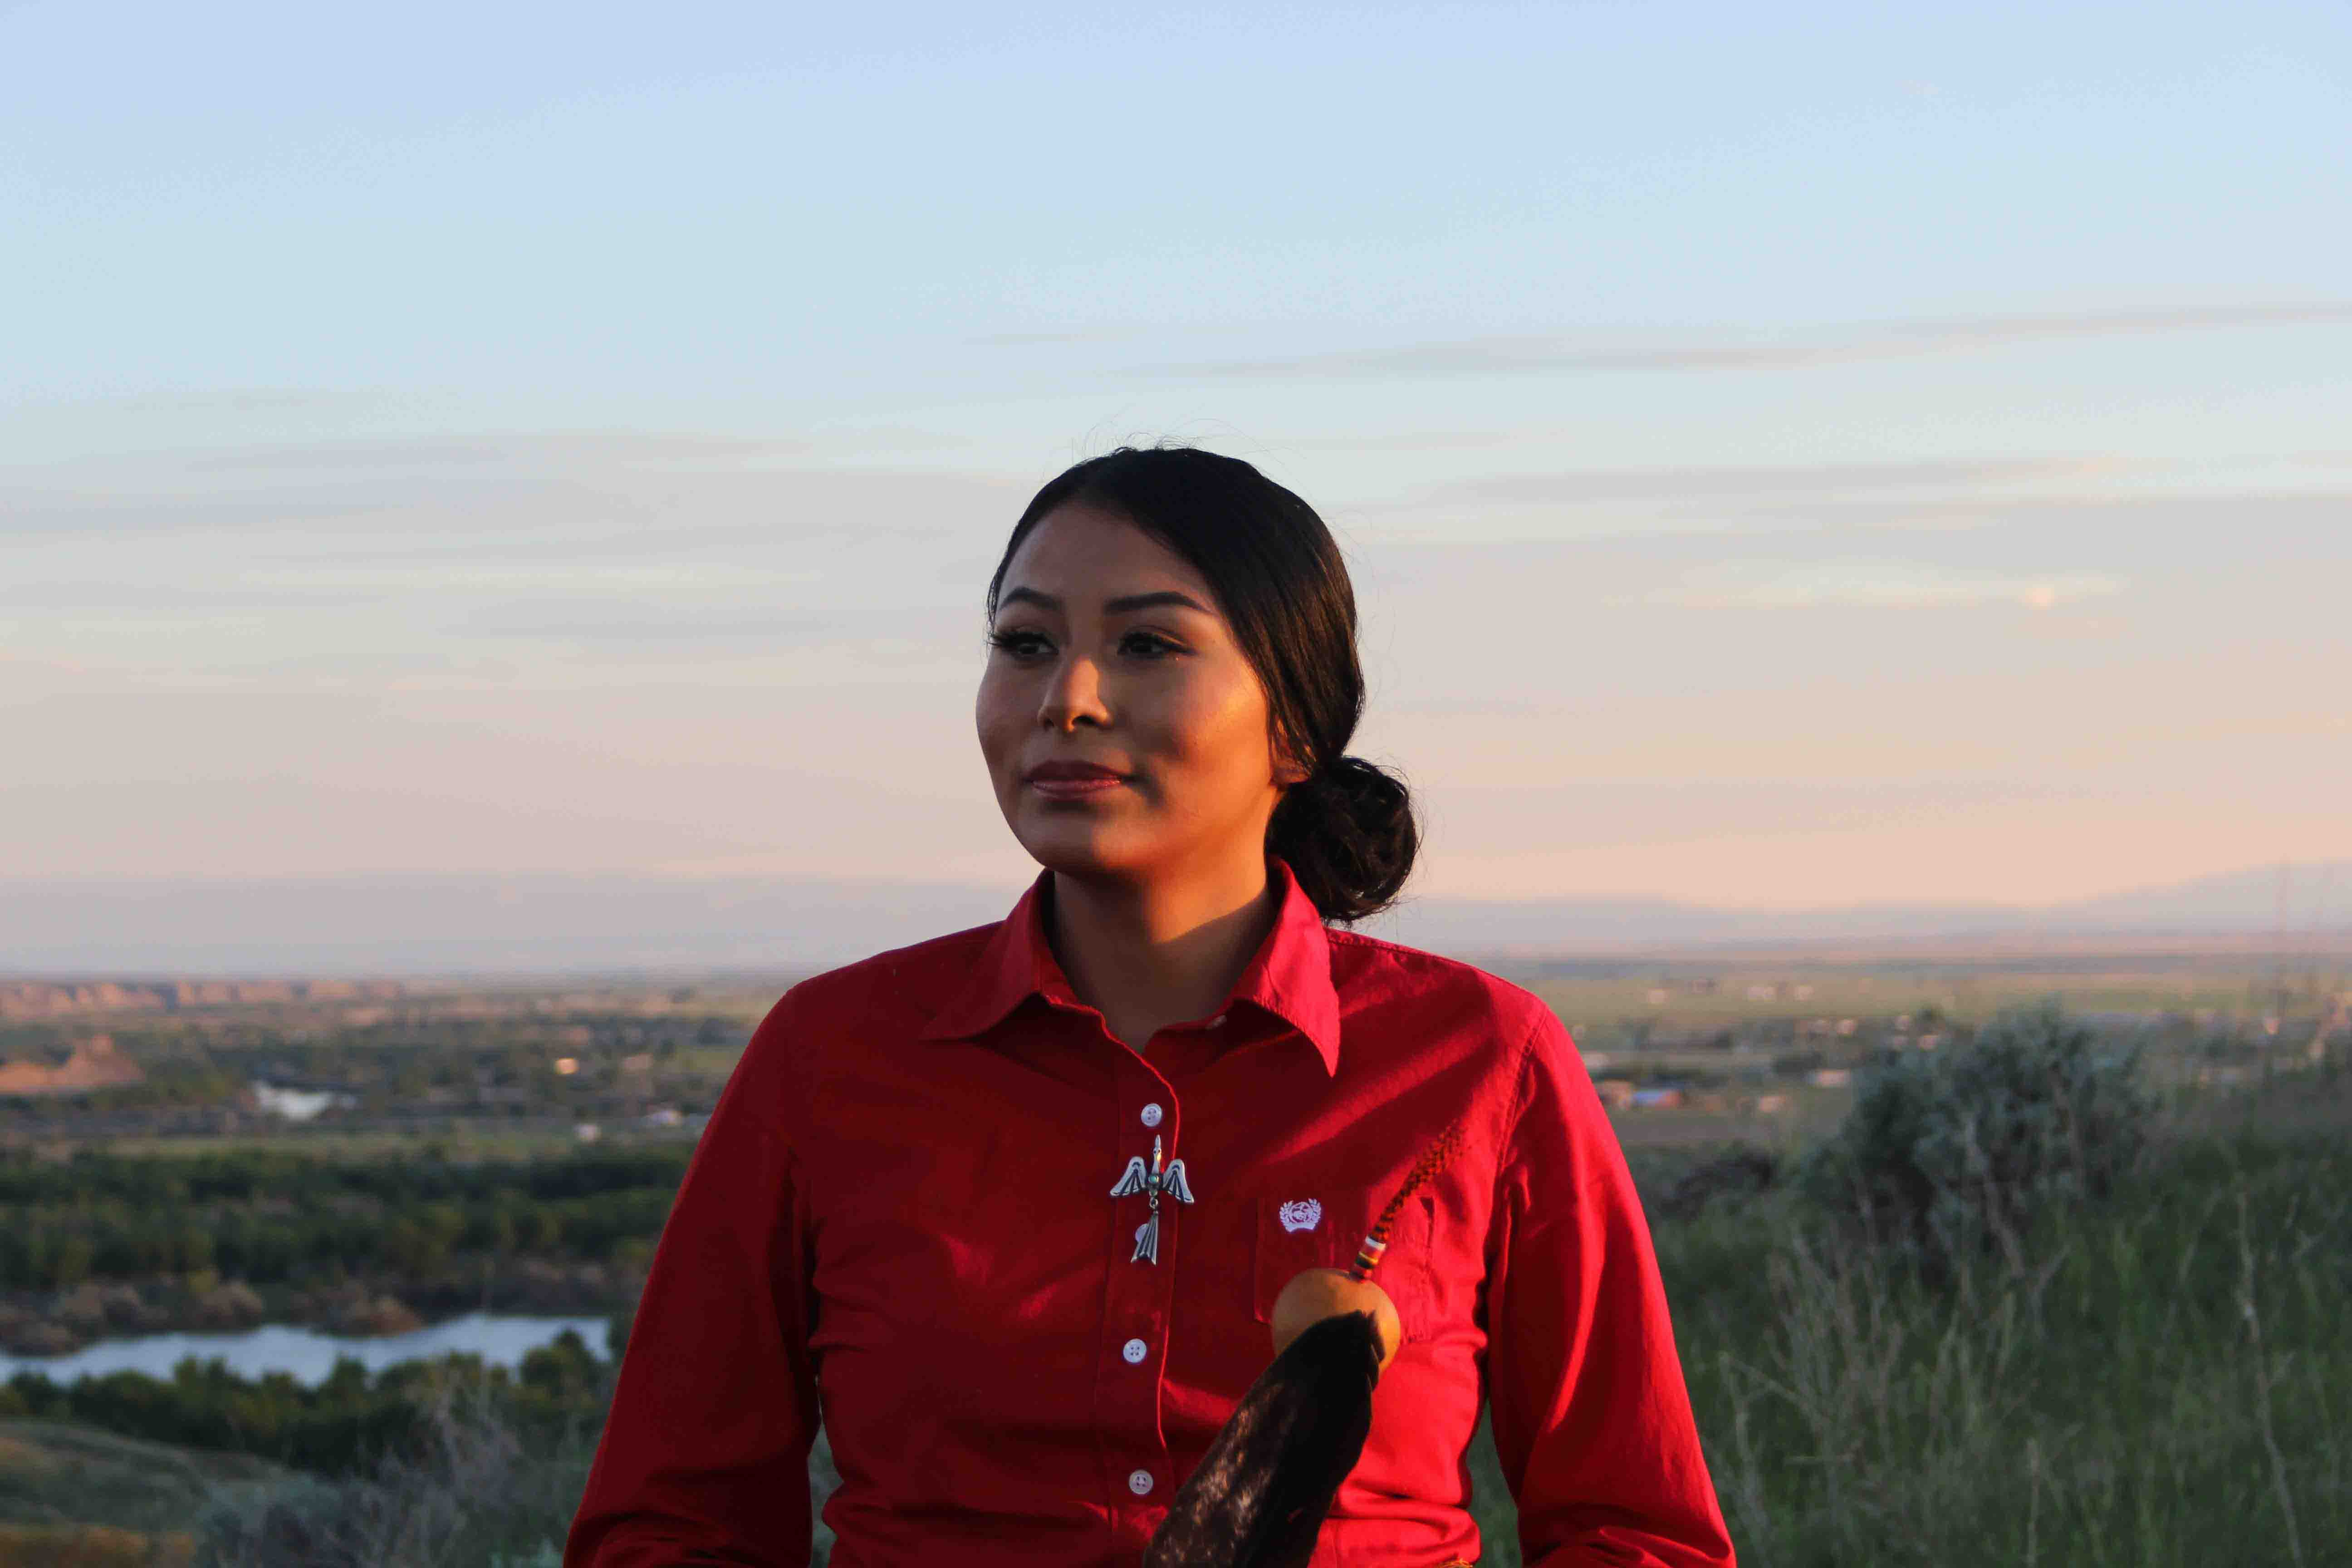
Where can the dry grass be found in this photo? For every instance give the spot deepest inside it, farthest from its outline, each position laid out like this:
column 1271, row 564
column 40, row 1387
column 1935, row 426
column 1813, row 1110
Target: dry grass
column 92, row 1546
column 472, row 1495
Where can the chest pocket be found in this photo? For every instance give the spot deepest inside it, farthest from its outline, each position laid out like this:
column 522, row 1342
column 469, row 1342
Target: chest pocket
column 1322, row 1229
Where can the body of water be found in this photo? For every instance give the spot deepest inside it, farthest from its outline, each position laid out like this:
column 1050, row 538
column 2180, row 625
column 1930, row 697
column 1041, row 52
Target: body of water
column 308, row 1354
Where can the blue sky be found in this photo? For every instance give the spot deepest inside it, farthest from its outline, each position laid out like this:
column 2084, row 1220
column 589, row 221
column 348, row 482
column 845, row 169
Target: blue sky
column 1787, row 455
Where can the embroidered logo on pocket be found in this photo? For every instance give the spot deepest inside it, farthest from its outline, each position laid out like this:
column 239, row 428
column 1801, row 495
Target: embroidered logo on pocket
column 1300, row 1214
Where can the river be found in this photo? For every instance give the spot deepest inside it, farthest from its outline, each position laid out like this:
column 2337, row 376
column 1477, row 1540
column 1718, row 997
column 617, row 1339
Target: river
column 500, row 1339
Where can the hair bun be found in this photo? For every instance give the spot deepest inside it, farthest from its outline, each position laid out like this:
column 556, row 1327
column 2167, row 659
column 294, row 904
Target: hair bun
column 1348, row 833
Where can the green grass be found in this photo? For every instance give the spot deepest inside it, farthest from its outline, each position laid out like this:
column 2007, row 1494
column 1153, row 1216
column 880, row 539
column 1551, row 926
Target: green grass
column 2164, row 1379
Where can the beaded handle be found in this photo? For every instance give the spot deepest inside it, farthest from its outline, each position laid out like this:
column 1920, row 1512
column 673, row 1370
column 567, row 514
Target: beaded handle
column 1433, row 1159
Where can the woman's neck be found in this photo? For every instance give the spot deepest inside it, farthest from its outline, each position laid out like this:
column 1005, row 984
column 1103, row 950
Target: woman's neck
column 1167, row 952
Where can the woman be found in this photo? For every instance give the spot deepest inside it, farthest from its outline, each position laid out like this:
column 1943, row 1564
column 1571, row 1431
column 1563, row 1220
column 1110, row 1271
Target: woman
column 1016, row 1202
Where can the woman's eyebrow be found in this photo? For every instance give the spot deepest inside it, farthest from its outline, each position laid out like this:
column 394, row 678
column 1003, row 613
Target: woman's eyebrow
column 1119, row 605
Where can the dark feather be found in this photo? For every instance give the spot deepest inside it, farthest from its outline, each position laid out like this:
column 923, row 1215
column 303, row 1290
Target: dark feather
column 1258, row 1497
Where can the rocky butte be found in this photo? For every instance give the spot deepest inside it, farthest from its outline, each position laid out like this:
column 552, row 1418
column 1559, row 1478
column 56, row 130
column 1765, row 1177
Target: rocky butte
column 94, row 1064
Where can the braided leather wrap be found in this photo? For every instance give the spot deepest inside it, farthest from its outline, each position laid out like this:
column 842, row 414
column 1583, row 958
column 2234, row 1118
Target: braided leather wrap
column 1433, row 1159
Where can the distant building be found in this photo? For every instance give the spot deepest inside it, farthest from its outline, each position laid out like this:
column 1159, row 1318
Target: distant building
column 298, row 1104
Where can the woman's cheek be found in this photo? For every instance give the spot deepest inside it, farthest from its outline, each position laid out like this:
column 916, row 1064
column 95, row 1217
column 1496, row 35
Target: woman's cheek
column 1232, row 724
column 998, row 738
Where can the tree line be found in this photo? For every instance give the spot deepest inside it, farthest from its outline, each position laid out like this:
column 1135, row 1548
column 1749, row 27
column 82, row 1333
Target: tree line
column 280, row 1218
column 341, row 1426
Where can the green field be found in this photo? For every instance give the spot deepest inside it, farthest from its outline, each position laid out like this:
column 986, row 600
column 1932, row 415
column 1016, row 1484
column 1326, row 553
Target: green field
column 1604, row 998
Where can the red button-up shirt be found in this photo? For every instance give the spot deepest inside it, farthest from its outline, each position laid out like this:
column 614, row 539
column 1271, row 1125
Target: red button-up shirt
column 901, row 1213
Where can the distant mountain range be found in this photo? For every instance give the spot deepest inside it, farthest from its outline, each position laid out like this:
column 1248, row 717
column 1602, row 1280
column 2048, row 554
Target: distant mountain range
column 551, row 924
column 2239, row 909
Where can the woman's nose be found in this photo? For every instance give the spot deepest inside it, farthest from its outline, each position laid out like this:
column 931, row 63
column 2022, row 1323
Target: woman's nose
column 1074, row 693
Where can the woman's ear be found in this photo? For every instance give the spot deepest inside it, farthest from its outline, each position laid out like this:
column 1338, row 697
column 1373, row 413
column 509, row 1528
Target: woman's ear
column 1288, row 770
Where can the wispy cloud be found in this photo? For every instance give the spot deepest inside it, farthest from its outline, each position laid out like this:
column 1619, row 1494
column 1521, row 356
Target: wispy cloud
column 55, row 599
column 1897, row 340
column 1403, row 440
column 2134, row 521
column 243, row 400
column 595, row 622
column 1918, row 497
column 892, row 439
column 1867, row 583
column 27, row 512
column 1571, row 486
column 590, row 449
column 568, row 483
column 1076, row 335
column 339, row 455
column 392, row 559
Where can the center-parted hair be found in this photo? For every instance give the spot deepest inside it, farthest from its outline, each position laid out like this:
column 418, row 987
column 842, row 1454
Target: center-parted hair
column 1349, row 831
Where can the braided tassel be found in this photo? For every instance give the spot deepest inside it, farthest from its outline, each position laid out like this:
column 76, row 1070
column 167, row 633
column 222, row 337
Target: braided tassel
column 1433, row 1159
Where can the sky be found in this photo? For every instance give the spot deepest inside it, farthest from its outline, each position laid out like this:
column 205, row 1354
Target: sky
column 1786, row 455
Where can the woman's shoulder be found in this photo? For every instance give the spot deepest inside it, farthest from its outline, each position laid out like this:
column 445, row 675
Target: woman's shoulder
column 1362, row 963
column 796, row 1046
column 918, row 976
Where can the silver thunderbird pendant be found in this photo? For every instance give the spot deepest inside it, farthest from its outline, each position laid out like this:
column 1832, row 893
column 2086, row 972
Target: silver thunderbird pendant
column 1151, row 1183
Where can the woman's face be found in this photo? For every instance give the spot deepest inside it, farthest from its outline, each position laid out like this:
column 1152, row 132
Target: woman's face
column 1110, row 651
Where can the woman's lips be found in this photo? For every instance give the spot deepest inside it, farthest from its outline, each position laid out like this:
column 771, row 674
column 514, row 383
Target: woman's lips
column 1077, row 788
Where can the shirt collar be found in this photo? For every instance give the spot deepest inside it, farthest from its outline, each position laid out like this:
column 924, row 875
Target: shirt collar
column 1288, row 976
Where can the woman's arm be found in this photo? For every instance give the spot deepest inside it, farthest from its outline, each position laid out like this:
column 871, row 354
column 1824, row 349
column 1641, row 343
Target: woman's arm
column 1591, row 1419
column 704, row 1457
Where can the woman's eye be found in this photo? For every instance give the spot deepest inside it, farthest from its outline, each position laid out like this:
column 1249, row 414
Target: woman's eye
column 1018, row 644
column 1026, row 645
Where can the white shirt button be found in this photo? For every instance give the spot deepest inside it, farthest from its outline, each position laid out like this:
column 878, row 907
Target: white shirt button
column 1134, row 1350
column 1139, row 1481
column 1151, row 1115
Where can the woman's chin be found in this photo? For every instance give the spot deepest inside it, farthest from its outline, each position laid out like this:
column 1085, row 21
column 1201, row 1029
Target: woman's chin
column 1078, row 848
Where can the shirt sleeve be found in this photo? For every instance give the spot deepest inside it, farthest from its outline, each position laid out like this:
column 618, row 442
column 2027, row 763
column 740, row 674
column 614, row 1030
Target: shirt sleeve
column 1591, row 1420
column 704, row 1456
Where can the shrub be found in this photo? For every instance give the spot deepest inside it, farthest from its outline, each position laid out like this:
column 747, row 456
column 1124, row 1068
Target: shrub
column 1953, row 1151
column 475, row 1486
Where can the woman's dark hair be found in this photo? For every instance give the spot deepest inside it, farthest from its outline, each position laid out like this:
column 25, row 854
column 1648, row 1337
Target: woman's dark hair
column 1348, row 831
